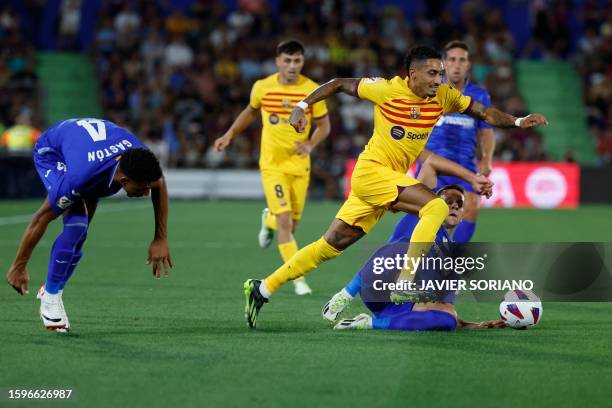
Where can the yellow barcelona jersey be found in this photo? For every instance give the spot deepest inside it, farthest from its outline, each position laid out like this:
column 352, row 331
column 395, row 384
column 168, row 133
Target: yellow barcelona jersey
column 278, row 137
column 402, row 120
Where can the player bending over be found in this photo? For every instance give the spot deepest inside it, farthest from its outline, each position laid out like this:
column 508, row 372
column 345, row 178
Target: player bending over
column 438, row 315
column 285, row 153
column 80, row 161
column 405, row 111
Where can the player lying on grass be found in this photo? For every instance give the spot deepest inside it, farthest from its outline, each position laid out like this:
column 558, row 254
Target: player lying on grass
column 405, row 111
column 80, row 161
column 439, row 314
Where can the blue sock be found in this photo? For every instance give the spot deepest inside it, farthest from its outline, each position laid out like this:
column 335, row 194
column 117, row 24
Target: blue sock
column 73, row 264
column 354, row 286
column 419, row 321
column 464, row 232
column 63, row 251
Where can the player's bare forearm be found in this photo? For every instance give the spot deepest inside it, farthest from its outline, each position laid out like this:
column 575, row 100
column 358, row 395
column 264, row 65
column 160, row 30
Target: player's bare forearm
column 487, row 143
column 499, row 119
column 491, row 324
column 444, row 166
column 323, row 127
column 159, row 252
column 243, row 121
column 33, row 233
column 159, row 198
column 440, row 165
column 486, row 140
column 346, row 85
column 298, row 119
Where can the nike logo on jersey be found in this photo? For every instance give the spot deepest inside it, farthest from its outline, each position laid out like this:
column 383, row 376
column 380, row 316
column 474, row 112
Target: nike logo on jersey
column 61, row 262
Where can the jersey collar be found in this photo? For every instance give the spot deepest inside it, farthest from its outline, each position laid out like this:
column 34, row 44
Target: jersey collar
column 112, row 176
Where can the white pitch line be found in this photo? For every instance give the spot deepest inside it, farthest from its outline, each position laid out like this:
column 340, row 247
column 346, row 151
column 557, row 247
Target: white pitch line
column 109, row 208
column 145, row 244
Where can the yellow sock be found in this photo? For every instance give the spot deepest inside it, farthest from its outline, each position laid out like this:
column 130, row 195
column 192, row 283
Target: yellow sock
column 271, row 221
column 432, row 215
column 287, row 250
column 304, row 260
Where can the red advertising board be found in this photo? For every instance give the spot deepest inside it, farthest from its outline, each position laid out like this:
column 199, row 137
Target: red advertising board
column 525, row 185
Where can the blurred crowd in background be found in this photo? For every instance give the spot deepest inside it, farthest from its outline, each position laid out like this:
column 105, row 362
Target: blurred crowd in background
column 177, row 77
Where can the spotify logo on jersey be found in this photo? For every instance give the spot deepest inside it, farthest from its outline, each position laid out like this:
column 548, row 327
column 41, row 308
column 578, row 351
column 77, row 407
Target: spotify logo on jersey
column 273, row 118
column 397, row 132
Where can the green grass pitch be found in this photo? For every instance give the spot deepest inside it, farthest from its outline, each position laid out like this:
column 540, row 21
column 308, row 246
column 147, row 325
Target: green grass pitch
column 138, row 342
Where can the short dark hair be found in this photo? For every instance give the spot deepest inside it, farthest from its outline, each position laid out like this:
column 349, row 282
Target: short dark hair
column 290, row 47
column 420, row 53
column 451, row 187
column 456, row 44
column 141, row 165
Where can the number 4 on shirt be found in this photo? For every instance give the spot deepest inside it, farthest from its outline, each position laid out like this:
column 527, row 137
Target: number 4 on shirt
column 98, row 134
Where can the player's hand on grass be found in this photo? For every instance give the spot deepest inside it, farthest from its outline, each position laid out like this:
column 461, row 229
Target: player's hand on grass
column 18, row 278
column 489, row 324
column 298, row 120
column 303, row 148
column 222, row 142
column 482, row 185
column 535, row 119
column 485, row 167
column 159, row 257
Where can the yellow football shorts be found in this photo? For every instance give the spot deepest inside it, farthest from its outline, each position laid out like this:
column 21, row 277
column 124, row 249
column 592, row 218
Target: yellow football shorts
column 285, row 192
column 373, row 187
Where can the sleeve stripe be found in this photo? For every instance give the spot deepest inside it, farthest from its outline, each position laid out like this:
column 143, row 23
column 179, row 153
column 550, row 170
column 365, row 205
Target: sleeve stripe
column 469, row 106
column 321, row 117
column 356, row 90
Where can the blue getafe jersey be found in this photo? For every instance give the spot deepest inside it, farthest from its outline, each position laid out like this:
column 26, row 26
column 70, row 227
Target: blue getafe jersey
column 404, row 228
column 454, row 136
column 397, row 245
column 79, row 157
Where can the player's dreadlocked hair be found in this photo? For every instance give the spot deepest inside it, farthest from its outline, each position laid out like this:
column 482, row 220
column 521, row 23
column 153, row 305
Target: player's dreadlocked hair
column 290, row 47
column 141, row 165
column 420, row 54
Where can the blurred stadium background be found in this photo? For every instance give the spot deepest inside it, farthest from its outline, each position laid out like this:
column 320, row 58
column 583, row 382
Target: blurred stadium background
column 177, row 72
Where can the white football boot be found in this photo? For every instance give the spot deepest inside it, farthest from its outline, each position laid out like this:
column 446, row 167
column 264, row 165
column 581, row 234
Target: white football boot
column 359, row 322
column 266, row 235
column 52, row 311
column 336, row 305
column 301, row 287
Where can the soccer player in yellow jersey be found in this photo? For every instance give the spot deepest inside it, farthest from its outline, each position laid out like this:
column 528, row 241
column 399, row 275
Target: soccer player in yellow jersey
column 405, row 111
column 285, row 153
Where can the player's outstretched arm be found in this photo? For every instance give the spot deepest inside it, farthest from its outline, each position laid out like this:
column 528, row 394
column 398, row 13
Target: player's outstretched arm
column 159, row 252
column 298, row 115
column 490, row 324
column 243, row 121
column 486, row 140
column 17, row 275
column 440, row 165
column 499, row 119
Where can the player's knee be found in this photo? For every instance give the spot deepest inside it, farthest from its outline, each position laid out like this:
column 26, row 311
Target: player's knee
column 284, row 221
column 436, row 207
column 75, row 228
